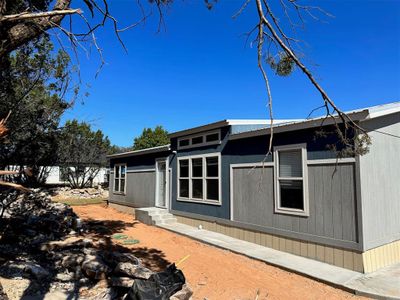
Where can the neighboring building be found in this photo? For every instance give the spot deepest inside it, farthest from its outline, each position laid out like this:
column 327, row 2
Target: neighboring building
column 57, row 175
column 301, row 199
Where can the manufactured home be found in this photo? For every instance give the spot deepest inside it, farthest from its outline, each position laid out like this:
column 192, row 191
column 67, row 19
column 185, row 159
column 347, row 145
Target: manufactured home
column 302, row 198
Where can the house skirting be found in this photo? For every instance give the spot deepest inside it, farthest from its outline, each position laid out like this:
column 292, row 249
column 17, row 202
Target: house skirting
column 382, row 256
column 343, row 258
column 122, row 208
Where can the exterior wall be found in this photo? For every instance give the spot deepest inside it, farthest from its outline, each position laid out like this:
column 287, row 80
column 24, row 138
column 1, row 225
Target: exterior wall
column 380, row 183
column 140, row 180
column 54, row 176
column 140, row 190
column 348, row 259
column 220, row 211
column 333, row 216
column 332, row 203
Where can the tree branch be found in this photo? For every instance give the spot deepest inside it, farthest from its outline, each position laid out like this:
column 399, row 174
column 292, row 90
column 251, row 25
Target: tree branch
column 28, row 16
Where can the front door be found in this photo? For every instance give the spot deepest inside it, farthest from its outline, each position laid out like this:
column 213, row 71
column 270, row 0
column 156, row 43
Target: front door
column 161, row 184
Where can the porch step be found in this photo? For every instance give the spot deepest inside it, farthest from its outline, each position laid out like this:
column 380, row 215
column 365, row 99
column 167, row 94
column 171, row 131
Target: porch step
column 154, row 216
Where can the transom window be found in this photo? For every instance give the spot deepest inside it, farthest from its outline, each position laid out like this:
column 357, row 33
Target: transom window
column 119, row 178
column 199, row 178
column 291, row 192
column 197, row 140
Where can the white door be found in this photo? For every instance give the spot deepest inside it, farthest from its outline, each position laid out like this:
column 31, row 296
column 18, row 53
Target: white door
column 161, row 184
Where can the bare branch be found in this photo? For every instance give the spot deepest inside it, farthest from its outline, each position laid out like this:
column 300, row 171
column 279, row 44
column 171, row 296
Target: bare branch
column 28, row 16
column 264, row 74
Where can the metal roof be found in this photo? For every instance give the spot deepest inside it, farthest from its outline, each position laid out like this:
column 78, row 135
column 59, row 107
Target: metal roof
column 141, row 152
column 355, row 115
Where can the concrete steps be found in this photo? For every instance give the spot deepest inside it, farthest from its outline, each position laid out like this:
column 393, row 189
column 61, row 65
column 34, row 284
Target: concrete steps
column 154, row 216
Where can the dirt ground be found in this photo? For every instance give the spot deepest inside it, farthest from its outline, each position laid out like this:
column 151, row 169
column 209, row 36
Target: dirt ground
column 212, row 273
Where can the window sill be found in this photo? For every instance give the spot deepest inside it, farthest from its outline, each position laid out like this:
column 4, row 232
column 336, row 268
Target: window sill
column 119, row 193
column 293, row 212
column 211, row 202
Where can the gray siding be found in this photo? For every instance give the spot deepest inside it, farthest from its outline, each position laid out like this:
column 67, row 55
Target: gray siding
column 331, row 197
column 380, row 183
column 140, row 190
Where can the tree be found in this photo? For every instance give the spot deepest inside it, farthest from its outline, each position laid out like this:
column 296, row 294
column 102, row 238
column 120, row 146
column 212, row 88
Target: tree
column 151, row 138
column 33, row 89
column 82, row 152
column 114, row 149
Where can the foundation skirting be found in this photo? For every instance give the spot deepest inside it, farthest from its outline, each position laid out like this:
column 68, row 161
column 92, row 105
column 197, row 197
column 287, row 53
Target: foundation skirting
column 364, row 262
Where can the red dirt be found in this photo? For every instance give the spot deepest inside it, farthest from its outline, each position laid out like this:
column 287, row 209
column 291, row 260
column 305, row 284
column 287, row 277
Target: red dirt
column 212, row 273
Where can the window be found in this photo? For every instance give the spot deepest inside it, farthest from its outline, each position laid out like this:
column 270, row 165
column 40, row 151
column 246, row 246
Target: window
column 119, row 178
column 199, row 179
column 184, row 142
column 198, row 140
column 291, row 192
column 212, row 137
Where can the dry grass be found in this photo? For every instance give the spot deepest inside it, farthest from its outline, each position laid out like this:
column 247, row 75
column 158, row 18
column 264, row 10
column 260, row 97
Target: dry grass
column 81, row 201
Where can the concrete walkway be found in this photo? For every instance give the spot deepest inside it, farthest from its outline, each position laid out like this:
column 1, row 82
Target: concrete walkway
column 383, row 284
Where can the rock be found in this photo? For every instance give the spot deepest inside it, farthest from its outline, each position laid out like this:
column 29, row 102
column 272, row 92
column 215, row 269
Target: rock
column 184, row 294
column 65, row 277
column 126, row 257
column 90, row 251
column 132, row 270
column 36, row 270
column 72, row 261
column 71, row 242
column 124, row 282
column 3, row 295
column 105, row 294
column 94, row 267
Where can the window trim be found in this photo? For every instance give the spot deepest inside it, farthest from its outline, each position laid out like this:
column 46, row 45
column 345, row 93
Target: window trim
column 119, row 179
column 284, row 210
column 204, row 177
column 203, row 135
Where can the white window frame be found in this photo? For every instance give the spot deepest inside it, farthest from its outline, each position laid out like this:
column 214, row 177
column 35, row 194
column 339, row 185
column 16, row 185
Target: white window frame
column 204, row 143
column 119, row 179
column 284, row 210
column 204, row 177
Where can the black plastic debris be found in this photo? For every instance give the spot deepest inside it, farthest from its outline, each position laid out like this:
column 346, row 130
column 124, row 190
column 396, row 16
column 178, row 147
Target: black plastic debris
column 159, row 286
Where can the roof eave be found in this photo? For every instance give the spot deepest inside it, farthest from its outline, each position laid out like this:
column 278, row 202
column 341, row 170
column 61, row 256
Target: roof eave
column 199, row 129
column 356, row 116
column 141, row 152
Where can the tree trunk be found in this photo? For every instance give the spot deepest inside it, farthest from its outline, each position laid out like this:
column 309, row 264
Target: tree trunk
column 14, row 35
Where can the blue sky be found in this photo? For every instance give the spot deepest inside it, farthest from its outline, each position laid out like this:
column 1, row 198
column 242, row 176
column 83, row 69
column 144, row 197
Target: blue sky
column 199, row 70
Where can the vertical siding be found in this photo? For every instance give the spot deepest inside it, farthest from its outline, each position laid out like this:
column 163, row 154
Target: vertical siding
column 140, row 189
column 331, row 197
column 380, row 182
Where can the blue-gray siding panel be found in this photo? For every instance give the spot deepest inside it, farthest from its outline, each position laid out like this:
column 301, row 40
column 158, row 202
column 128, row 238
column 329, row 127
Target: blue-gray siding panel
column 140, row 190
column 247, row 150
column 331, row 197
column 140, row 186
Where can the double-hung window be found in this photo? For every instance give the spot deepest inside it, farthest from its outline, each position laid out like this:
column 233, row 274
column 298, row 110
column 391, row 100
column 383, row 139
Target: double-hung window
column 199, row 179
column 291, row 187
column 119, row 178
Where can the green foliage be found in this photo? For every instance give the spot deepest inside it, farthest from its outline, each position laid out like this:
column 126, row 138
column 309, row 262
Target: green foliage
column 283, row 66
column 114, row 149
column 82, row 151
column 151, row 138
column 33, row 83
